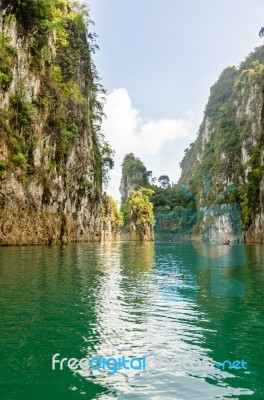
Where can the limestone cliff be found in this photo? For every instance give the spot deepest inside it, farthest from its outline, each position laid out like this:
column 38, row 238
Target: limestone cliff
column 224, row 166
column 141, row 215
column 111, row 220
column 50, row 154
column 134, row 176
column 136, row 208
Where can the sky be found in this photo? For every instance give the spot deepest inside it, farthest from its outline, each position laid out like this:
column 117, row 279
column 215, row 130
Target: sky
column 158, row 60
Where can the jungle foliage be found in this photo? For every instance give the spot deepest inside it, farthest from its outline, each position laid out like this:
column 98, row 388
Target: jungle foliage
column 70, row 102
column 229, row 123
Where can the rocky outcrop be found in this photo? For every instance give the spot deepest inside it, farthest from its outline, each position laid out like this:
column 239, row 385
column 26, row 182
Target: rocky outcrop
column 135, row 205
column 141, row 217
column 219, row 223
column 134, row 176
column 50, row 161
column 142, row 233
column 111, row 220
column 224, row 166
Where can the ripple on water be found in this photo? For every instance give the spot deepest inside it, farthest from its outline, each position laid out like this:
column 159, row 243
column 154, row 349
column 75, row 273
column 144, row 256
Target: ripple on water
column 133, row 300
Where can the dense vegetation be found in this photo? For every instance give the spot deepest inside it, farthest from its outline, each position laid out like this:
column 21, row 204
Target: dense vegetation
column 134, row 175
column 224, row 164
column 60, row 47
column 109, row 211
column 137, row 214
column 166, row 199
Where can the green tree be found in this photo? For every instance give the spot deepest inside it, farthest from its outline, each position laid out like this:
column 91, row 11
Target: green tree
column 164, row 180
column 134, row 175
column 110, row 211
column 141, row 214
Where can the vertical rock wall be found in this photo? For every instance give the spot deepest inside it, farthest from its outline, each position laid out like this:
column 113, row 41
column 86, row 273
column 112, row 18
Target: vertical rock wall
column 50, row 168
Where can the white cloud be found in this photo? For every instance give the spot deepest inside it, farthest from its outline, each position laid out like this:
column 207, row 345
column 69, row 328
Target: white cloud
column 128, row 132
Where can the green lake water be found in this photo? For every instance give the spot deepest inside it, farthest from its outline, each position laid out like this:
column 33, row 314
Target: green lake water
column 182, row 305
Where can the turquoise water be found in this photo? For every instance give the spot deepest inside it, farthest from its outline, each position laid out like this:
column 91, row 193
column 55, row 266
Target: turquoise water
column 182, row 305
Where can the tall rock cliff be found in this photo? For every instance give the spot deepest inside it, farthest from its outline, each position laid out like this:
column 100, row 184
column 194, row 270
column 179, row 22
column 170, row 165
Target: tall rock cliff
column 224, row 166
column 111, row 220
column 136, row 208
column 134, row 176
column 50, row 154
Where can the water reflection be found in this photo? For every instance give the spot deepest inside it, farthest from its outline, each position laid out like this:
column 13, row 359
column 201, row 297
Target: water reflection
column 121, row 301
column 148, row 303
column 168, row 301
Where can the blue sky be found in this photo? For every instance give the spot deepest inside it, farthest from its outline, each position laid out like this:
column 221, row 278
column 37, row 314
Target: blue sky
column 158, row 60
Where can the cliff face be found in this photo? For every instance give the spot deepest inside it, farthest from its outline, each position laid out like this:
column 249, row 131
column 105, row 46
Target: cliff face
column 111, row 220
column 50, row 160
column 141, row 216
column 136, row 208
column 134, row 176
column 224, row 166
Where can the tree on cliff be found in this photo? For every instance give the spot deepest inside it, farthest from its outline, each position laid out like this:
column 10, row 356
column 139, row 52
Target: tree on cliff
column 134, row 176
column 64, row 110
column 164, row 180
column 110, row 215
column 141, row 215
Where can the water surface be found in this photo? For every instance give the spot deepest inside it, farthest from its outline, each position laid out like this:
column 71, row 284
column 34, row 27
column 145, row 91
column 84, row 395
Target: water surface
column 169, row 301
